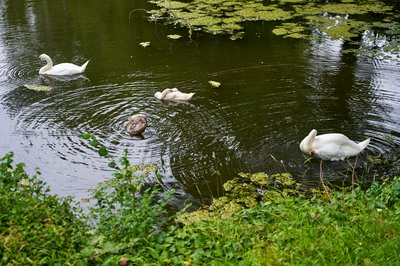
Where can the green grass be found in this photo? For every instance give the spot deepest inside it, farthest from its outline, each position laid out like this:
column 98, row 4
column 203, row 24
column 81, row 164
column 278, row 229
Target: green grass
column 279, row 226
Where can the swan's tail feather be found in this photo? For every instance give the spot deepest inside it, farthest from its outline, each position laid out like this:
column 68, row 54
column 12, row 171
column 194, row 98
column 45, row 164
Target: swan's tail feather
column 364, row 144
column 83, row 67
column 190, row 96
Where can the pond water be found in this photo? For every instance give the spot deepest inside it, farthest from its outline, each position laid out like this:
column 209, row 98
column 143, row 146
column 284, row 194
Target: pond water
column 274, row 91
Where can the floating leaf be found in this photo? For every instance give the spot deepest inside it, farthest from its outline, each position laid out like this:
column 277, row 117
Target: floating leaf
column 174, row 36
column 144, row 44
column 86, row 136
column 215, row 84
column 292, row 30
column 37, row 87
column 103, row 151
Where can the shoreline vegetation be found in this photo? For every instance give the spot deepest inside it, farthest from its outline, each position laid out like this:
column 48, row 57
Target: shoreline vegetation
column 261, row 220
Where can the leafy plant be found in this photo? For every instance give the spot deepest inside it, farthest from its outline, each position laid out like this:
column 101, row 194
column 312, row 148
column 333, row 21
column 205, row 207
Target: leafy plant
column 36, row 227
column 127, row 217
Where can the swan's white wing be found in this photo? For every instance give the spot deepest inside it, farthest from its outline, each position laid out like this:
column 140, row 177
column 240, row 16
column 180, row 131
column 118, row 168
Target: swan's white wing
column 335, row 147
column 64, row 69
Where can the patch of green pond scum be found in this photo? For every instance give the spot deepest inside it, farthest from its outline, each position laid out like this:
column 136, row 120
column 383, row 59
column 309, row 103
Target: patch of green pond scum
column 335, row 19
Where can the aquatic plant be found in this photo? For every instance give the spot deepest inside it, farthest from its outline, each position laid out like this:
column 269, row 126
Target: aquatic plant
column 37, row 87
column 214, row 84
column 338, row 20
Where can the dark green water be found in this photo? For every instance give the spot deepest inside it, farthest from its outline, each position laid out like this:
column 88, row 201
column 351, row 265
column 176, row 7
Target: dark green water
column 274, row 92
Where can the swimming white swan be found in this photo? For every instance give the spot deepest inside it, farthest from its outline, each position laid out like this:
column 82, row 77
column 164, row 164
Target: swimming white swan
column 63, row 69
column 334, row 146
column 173, row 95
column 136, row 124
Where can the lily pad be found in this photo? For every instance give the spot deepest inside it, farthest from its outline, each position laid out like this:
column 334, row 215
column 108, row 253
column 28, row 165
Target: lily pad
column 174, row 36
column 291, row 30
column 37, row 87
column 214, row 84
column 228, row 16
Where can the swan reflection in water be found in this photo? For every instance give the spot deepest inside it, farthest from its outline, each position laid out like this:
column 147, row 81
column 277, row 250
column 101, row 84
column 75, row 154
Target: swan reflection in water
column 50, row 79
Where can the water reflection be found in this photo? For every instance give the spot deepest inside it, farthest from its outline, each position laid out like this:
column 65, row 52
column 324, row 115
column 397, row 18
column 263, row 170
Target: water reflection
column 51, row 79
column 274, row 91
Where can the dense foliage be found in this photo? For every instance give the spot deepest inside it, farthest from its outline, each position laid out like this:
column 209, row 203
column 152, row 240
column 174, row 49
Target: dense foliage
column 35, row 227
column 262, row 220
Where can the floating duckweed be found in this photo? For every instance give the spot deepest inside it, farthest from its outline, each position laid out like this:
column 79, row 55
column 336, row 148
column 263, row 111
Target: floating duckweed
column 280, row 31
column 229, row 3
column 267, row 15
column 172, row 4
column 341, row 31
column 291, row 30
column 227, row 16
column 213, row 2
column 37, row 87
column 276, row 14
column 231, row 27
column 216, row 29
column 174, row 36
column 205, row 21
column 388, row 138
column 354, row 9
column 237, row 36
column 214, row 84
column 306, row 10
column 296, row 35
column 292, row 1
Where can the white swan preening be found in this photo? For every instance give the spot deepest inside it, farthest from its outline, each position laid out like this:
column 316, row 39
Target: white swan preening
column 333, row 146
column 63, row 69
column 173, row 95
column 136, row 124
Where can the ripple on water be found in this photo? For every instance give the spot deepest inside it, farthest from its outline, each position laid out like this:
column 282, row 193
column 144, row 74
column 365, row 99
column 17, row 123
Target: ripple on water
column 248, row 125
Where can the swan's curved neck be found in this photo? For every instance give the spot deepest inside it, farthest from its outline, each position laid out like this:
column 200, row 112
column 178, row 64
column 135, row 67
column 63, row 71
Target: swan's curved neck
column 164, row 93
column 49, row 64
column 308, row 141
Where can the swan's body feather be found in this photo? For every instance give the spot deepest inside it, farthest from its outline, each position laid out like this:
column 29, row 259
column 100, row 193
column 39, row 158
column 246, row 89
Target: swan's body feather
column 63, row 69
column 333, row 146
column 173, row 95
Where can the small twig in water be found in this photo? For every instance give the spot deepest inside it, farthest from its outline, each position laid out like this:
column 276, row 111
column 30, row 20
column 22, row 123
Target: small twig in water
column 321, row 177
column 353, row 172
column 130, row 13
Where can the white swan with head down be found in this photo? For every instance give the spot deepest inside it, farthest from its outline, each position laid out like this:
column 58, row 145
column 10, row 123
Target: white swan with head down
column 333, row 146
column 63, row 69
column 173, row 95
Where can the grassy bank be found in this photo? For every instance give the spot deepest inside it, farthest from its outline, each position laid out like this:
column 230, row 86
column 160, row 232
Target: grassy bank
column 262, row 220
